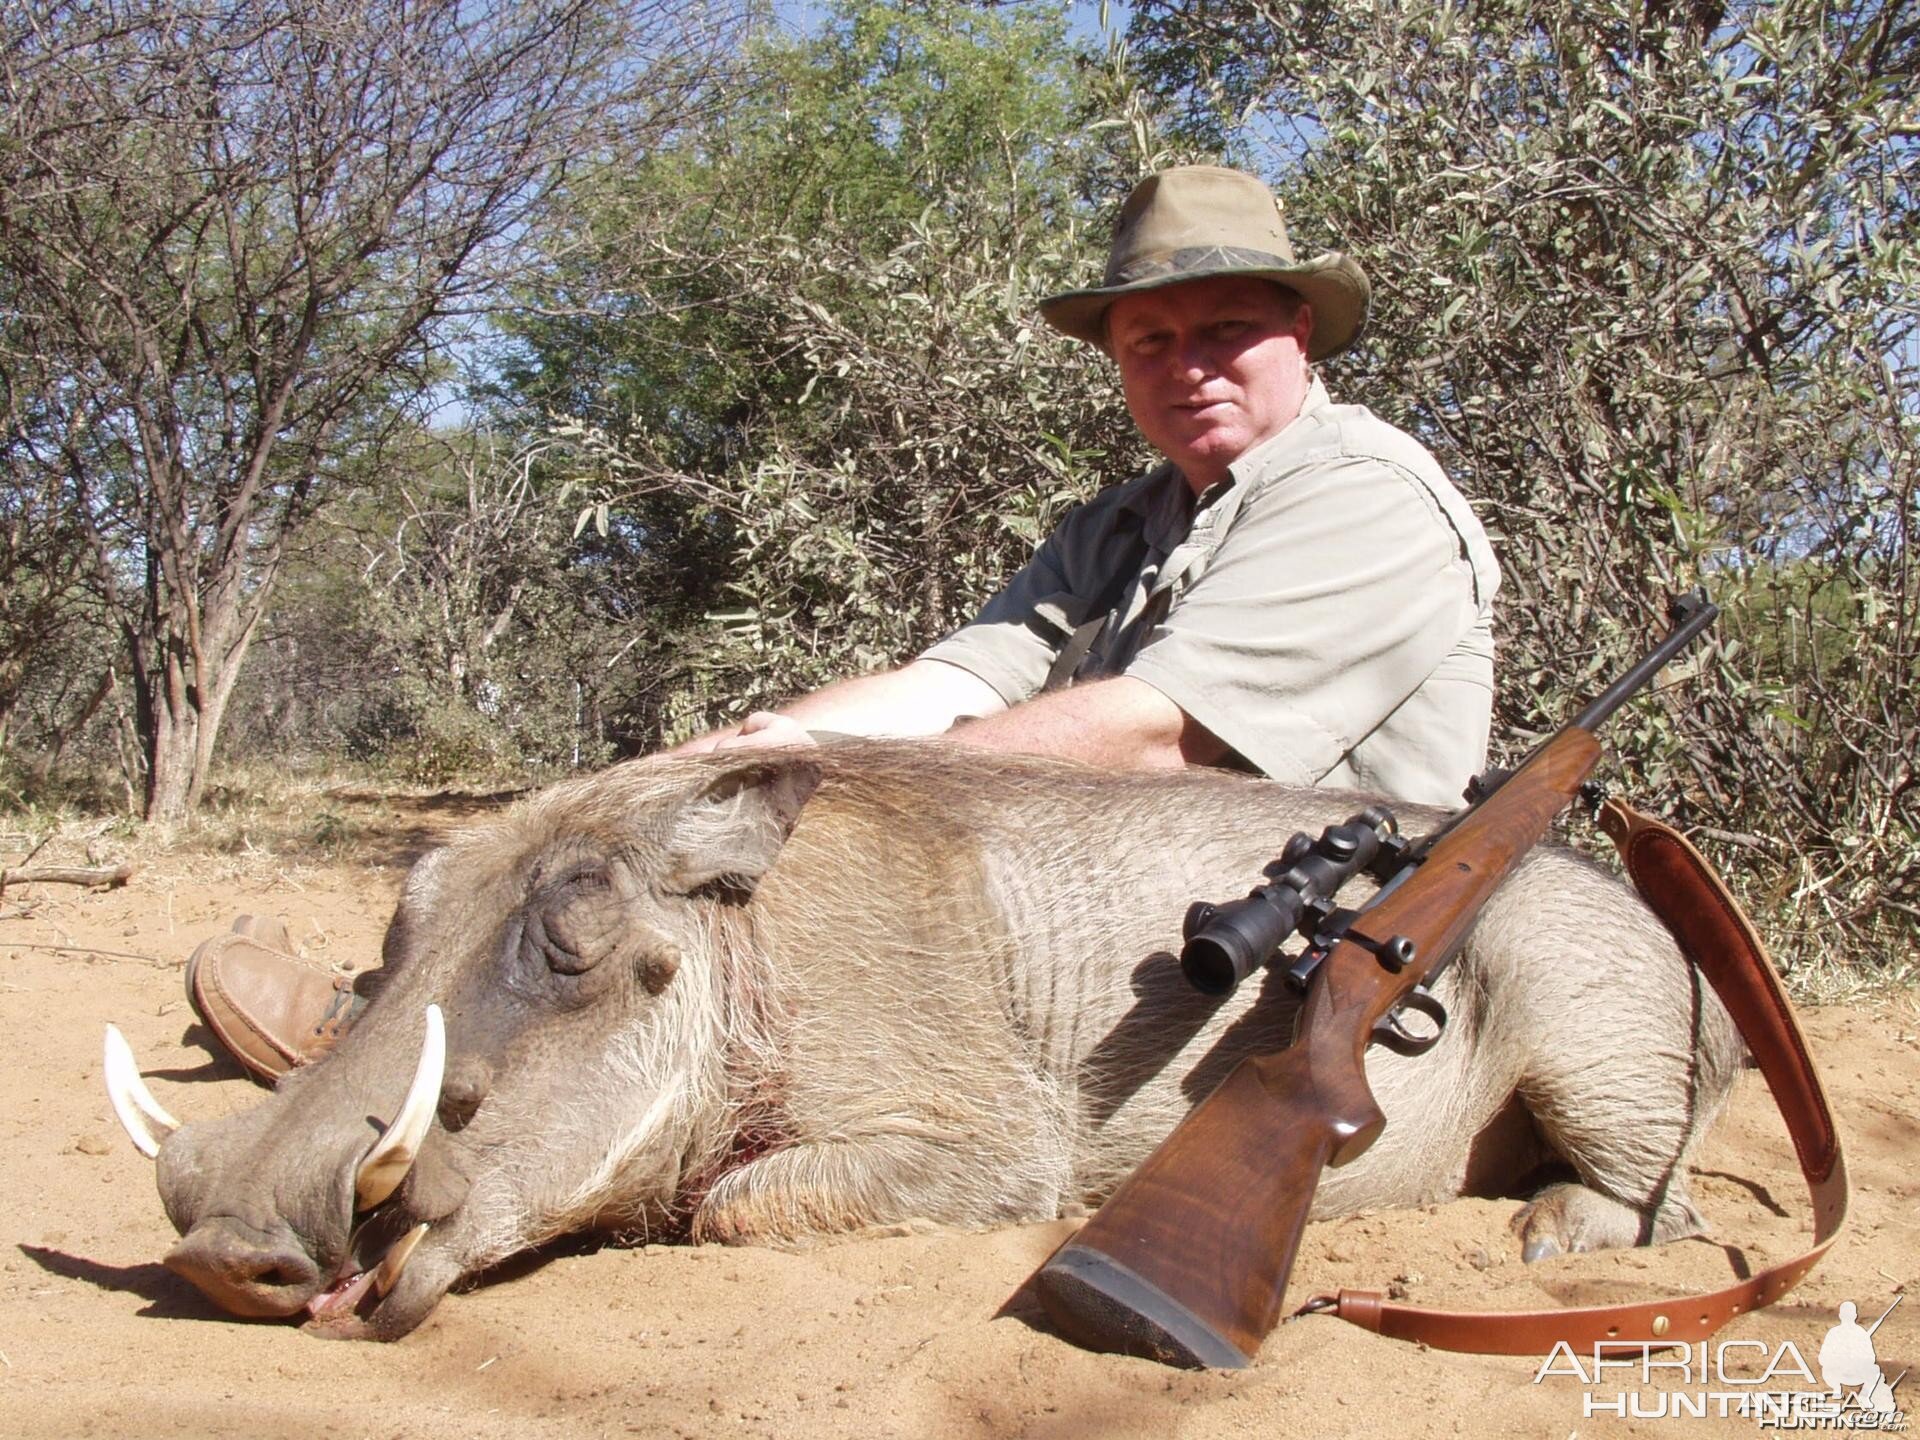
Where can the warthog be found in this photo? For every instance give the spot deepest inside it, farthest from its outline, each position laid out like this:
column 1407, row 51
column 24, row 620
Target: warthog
column 775, row 996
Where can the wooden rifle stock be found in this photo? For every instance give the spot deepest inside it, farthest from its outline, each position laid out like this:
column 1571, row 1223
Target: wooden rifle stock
column 1187, row 1262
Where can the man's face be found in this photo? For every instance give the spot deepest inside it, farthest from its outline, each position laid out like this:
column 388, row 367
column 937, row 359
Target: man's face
column 1211, row 367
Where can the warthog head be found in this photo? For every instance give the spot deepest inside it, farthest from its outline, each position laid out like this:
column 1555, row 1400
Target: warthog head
column 548, row 1053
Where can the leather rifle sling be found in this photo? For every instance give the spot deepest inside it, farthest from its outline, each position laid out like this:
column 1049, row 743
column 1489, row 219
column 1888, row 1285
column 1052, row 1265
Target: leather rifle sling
column 1068, row 659
column 1682, row 889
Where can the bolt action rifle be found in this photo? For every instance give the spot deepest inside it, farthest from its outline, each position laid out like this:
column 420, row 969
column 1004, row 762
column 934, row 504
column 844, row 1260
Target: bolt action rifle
column 1188, row 1261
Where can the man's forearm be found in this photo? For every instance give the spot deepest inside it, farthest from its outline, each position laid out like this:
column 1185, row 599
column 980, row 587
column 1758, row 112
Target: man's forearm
column 922, row 697
column 1120, row 723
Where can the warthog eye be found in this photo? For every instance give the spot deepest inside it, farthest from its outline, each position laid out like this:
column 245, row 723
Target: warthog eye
column 576, row 921
column 578, row 934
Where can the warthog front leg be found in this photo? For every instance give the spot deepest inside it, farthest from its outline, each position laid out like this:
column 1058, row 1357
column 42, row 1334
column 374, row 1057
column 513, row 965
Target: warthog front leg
column 1566, row 1219
column 806, row 1190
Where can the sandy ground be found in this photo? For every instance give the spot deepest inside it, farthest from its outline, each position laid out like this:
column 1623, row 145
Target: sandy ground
column 900, row 1335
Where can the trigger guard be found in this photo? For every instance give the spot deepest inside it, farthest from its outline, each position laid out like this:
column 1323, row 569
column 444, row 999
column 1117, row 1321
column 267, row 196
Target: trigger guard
column 1390, row 1032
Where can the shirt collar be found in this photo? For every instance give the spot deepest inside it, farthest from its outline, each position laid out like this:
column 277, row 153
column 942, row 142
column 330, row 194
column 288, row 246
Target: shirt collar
column 1251, row 463
column 1169, row 513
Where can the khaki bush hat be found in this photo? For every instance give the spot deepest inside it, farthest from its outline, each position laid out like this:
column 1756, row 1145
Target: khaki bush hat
column 1199, row 221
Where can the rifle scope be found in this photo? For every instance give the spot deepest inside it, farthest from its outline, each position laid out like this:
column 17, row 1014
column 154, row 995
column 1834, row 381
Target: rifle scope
column 1227, row 943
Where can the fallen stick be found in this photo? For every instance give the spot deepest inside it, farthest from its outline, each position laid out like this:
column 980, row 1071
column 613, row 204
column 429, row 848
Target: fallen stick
column 153, row 960
column 111, row 876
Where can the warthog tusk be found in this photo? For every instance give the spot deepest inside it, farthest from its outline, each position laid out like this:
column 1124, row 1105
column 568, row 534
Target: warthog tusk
column 393, row 1153
column 395, row 1260
column 132, row 1101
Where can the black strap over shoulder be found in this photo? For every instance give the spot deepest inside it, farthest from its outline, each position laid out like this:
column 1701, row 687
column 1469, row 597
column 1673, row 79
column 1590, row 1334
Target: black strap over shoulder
column 1088, row 632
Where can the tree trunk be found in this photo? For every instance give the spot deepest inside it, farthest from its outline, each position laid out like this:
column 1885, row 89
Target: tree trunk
column 169, row 743
column 216, row 690
column 182, row 701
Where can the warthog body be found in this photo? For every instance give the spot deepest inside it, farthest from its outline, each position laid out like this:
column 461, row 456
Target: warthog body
column 776, row 997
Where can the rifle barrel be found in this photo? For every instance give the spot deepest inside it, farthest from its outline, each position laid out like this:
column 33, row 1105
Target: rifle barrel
column 1689, row 615
column 1884, row 1313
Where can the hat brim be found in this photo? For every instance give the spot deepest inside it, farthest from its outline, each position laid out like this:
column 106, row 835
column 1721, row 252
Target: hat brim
column 1332, row 284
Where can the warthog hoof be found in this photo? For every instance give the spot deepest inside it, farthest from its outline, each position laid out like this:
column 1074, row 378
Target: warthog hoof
column 1570, row 1218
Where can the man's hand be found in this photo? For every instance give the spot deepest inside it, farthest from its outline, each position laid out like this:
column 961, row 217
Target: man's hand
column 923, row 697
column 763, row 729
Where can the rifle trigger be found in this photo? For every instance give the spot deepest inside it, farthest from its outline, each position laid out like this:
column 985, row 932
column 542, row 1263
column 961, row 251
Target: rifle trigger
column 1391, row 1031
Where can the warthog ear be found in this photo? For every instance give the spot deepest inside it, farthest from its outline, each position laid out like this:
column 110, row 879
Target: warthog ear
column 734, row 826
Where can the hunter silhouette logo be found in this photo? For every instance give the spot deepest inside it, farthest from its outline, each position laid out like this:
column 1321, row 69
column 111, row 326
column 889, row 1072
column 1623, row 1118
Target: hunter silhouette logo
column 1847, row 1361
column 1773, row 1385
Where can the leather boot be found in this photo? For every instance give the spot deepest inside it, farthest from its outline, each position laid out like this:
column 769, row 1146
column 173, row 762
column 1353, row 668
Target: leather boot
column 271, row 1009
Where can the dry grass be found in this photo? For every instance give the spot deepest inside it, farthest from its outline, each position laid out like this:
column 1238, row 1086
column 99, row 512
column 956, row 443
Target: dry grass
column 254, row 815
column 1887, row 974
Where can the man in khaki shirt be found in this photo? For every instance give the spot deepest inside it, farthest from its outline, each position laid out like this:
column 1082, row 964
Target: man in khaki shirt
column 1298, row 590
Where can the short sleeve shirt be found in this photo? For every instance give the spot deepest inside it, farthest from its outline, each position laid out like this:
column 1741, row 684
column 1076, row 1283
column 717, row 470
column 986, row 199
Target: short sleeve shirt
column 1325, row 610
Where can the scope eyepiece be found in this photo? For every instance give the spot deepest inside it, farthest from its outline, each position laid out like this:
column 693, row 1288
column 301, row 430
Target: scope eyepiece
column 1199, row 915
column 1213, row 967
column 1229, row 942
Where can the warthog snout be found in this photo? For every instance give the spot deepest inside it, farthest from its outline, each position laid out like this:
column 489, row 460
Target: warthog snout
column 353, row 1225
column 264, row 1273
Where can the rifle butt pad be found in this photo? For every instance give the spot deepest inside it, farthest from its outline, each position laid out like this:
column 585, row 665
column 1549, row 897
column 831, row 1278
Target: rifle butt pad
column 1099, row 1304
